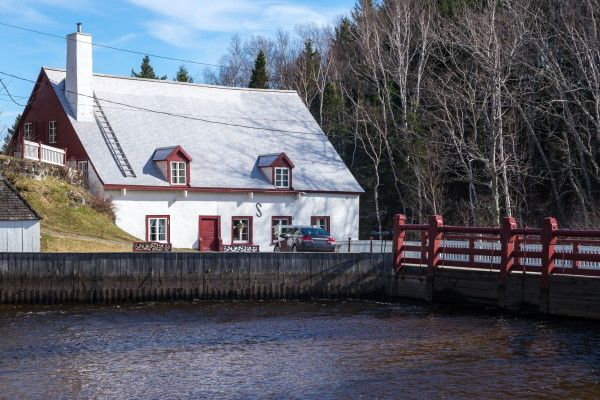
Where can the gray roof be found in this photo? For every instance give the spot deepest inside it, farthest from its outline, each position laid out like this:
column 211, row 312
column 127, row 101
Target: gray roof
column 162, row 153
column 223, row 129
column 13, row 207
column 266, row 160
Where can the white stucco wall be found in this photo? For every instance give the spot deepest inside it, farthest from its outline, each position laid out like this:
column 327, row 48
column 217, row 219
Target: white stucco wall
column 20, row 236
column 94, row 183
column 133, row 207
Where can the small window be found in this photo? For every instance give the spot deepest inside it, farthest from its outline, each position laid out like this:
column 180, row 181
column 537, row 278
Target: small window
column 28, row 131
column 282, row 177
column 322, row 222
column 178, row 173
column 275, row 229
column 83, row 167
column 157, row 229
column 241, row 230
column 52, row 132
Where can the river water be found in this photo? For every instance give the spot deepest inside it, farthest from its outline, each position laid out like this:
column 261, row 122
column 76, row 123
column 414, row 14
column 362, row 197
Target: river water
column 304, row 350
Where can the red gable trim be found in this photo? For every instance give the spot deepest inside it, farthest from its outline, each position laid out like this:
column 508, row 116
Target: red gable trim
column 44, row 105
column 282, row 161
column 174, row 155
column 221, row 190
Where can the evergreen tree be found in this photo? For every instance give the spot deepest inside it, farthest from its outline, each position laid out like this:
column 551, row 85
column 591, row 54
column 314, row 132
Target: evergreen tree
column 260, row 78
column 146, row 71
column 311, row 59
column 183, row 75
column 333, row 101
column 9, row 134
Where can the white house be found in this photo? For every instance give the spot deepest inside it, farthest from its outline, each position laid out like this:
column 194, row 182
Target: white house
column 194, row 165
column 19, row 222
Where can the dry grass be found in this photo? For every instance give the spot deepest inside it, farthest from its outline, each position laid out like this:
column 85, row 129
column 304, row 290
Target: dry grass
column 57, row 243
column 73, row 219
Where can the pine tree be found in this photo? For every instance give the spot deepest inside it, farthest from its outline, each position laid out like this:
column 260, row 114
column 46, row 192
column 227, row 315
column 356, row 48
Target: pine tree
column 311, row 59
column 9, row 134
column 260, row 78
column 146, row 71
column 183, row 75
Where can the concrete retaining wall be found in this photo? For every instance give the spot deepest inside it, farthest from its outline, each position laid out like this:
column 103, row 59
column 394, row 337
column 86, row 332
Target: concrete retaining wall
column 114, row 277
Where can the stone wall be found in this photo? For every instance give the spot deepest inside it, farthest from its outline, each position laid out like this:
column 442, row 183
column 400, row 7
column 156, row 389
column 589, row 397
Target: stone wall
column 39, row 170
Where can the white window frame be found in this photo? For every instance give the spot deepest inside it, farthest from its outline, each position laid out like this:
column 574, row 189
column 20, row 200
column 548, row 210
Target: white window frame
column 154, row 229
column 52, row 131
column 241, row 233
column 323, row 222
column 83, row 167
column 281, row 177
column 275, row 223
column 28, row 131
column 178, row 174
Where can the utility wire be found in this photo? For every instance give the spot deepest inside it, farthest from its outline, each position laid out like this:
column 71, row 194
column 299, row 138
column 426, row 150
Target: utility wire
column 106, row 46
column 15, row 96
column 9, row 95
column 169, row 113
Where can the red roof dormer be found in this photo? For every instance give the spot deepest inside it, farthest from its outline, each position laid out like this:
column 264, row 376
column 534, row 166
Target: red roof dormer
column 277, row 168
column 174, row 163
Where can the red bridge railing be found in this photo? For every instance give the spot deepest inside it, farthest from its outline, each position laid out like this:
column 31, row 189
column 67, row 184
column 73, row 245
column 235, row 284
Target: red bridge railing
column 546, row 250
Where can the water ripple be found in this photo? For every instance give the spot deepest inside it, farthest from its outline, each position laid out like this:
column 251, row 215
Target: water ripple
column 292, row 350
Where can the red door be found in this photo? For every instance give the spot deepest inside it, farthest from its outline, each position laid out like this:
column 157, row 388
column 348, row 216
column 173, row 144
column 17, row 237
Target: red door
column 209, row 235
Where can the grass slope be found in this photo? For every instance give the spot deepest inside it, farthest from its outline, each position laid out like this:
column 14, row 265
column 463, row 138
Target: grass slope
column 70, row 223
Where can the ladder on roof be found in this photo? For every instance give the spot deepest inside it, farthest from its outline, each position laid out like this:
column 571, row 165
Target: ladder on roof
column 111, row 141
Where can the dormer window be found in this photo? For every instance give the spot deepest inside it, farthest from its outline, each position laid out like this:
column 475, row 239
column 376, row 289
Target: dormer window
column 174, row 164
column 277, row 168
column 178, row 173
column 282, row 177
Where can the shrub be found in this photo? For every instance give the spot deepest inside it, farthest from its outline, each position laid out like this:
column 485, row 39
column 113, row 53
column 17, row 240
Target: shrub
column 103, row 204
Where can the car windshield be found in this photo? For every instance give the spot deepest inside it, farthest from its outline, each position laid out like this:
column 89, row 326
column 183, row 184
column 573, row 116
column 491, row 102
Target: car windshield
column 314, row 232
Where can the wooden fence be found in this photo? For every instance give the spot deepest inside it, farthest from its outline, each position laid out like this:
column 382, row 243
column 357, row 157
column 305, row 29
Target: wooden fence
column 107, row 277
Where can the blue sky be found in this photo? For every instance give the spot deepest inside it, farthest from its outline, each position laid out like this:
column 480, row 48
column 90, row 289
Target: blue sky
column 189, row 29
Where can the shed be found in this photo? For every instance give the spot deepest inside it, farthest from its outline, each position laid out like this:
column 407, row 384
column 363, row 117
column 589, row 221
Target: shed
column 19, row 222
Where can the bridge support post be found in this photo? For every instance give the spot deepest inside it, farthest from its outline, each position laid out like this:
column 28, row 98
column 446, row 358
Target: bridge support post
column 398, row 243
column 435, row 236
column 507, row 249
column 548, row 238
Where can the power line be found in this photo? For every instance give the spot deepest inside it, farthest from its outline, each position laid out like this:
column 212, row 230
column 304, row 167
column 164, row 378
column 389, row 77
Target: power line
column 197, row 115
column 184, row 116
column 9, row 95
column 106, row 46
column 15, row 96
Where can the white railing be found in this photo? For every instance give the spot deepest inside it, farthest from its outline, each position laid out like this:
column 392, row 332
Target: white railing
column 495, row 260
column 363, row 246
column 47, row 154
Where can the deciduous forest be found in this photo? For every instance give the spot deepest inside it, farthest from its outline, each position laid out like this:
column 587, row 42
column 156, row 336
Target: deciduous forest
column 468, row 108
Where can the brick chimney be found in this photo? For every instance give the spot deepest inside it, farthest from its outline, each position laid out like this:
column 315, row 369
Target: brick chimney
column 78, row 82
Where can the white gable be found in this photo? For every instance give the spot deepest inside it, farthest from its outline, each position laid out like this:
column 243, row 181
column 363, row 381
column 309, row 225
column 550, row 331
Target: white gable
column 224, row 130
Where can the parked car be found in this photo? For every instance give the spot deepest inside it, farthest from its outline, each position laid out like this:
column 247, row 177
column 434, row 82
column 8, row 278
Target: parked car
column 304, row 238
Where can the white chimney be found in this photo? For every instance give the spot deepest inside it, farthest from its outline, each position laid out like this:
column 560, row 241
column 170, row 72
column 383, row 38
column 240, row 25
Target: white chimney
column 78, row 82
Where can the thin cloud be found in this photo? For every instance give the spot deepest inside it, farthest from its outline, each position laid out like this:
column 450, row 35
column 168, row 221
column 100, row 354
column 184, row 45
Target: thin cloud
column 181, row 23
column 22, row 12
